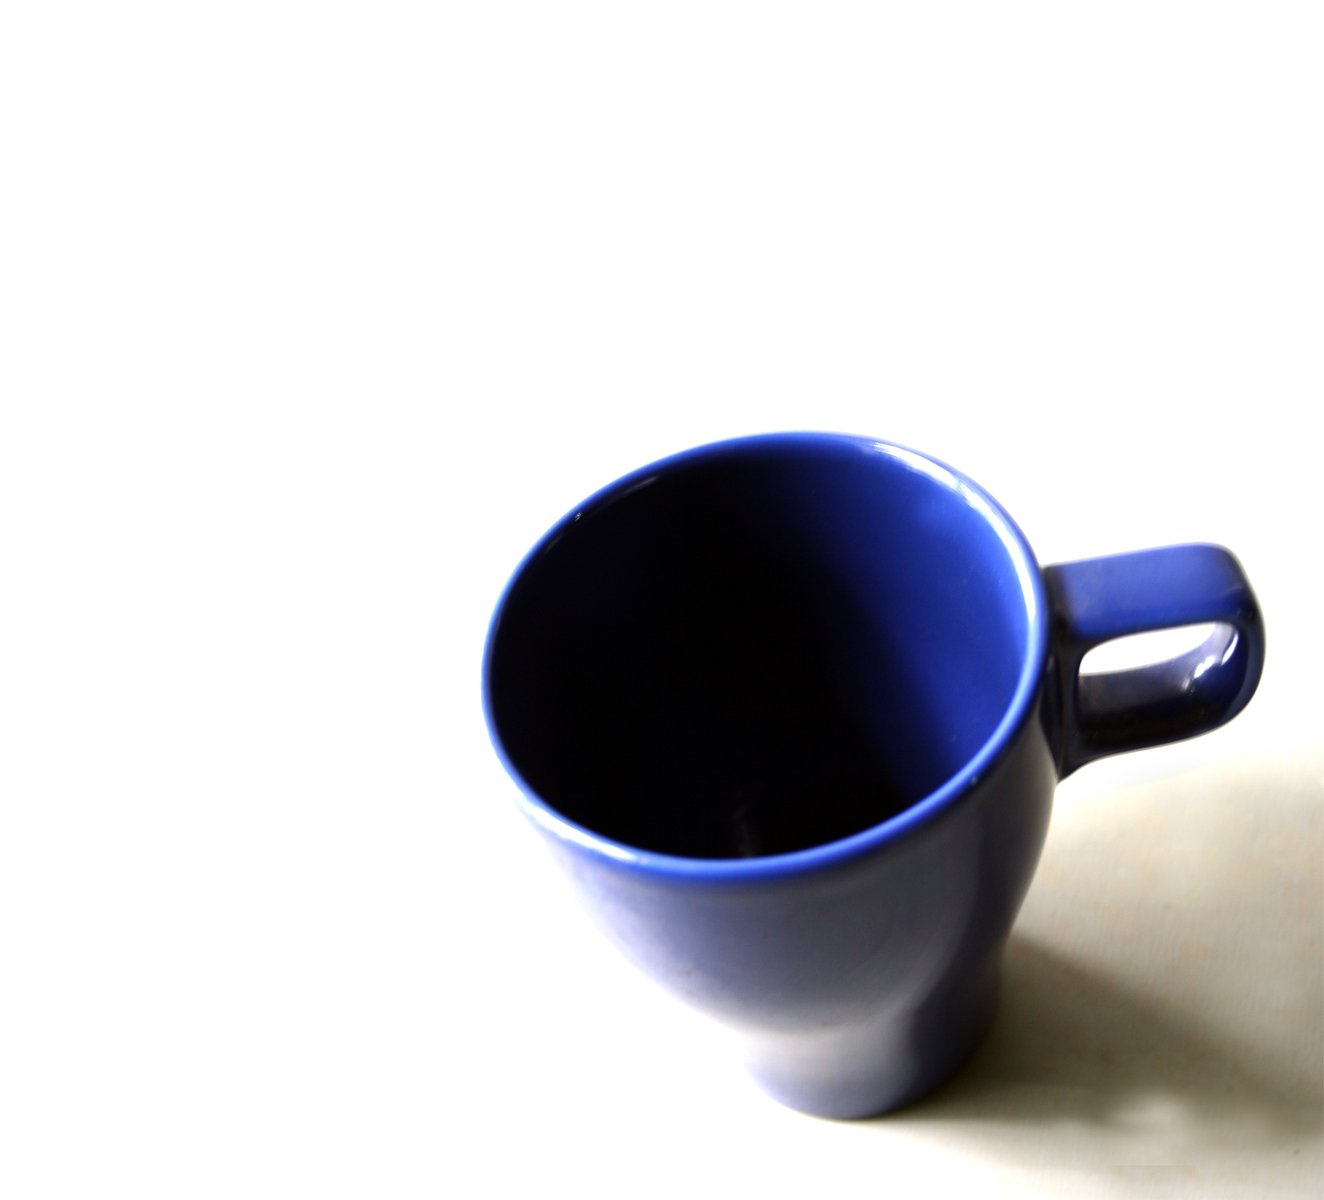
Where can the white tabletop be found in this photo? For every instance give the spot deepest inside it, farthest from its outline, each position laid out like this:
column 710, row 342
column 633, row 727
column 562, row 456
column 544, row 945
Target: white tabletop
column 314, row 318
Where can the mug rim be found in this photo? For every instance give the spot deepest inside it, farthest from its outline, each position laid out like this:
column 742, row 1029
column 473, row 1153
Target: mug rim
column 914, row 816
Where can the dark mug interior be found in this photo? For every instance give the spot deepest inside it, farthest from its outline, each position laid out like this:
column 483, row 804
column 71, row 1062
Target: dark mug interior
column 760, row 647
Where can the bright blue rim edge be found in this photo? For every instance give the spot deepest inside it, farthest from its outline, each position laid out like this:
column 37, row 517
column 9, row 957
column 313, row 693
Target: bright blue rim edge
column 829, row 854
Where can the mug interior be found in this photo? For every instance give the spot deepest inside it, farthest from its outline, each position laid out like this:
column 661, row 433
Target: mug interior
column 760, row 647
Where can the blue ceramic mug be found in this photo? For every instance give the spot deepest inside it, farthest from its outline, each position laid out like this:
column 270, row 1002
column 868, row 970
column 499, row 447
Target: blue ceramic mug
column 791, row 710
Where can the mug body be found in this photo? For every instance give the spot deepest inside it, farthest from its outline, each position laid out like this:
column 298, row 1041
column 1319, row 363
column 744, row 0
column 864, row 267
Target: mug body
column 780, row 706
column 859, row 981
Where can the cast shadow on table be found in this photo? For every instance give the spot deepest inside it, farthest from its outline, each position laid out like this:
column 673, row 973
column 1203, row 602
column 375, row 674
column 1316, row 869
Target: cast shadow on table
column 1073, row 1048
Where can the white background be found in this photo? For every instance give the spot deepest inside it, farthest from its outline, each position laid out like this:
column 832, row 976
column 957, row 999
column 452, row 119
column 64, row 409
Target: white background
column 313, row 317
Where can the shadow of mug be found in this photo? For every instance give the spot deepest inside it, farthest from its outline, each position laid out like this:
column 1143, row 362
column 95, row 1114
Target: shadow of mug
column 1072, row 1046
column 1179, row 1023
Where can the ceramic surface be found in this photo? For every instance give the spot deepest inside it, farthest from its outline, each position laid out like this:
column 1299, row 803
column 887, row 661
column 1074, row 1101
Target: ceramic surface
column 791, row 709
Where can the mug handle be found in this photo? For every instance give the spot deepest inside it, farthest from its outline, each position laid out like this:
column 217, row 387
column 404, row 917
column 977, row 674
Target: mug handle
column 1099, row 599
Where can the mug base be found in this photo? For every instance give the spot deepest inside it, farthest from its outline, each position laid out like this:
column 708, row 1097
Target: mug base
column 880, row 1066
